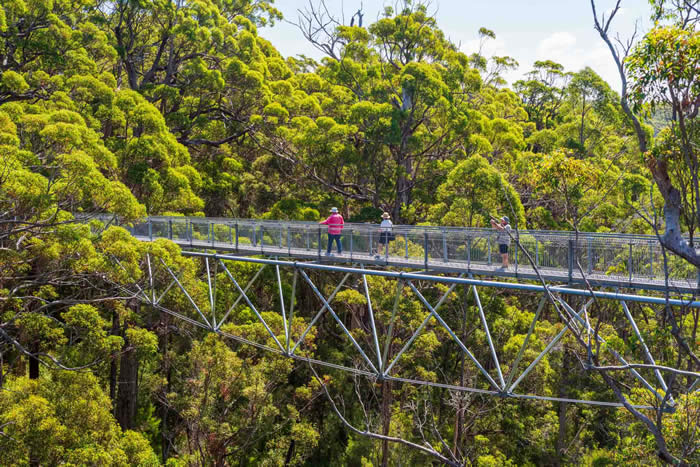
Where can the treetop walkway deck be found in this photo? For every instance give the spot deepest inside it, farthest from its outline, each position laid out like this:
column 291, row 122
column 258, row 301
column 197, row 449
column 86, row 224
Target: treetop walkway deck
column 603, row 259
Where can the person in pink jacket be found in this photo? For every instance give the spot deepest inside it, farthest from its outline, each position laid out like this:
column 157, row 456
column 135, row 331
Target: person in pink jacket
column 335, row 227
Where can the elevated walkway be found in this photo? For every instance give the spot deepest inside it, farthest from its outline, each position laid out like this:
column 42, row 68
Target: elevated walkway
column 603, row 259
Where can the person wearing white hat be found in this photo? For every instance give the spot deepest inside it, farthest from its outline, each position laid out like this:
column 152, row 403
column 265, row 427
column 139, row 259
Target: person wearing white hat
column 335, row 224
column 385, row 234
column 502, row 238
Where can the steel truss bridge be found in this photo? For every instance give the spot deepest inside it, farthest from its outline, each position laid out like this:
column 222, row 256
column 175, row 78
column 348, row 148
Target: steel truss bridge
column 420, row 258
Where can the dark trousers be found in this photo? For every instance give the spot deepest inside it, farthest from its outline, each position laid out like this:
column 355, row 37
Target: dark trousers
column 335, row 237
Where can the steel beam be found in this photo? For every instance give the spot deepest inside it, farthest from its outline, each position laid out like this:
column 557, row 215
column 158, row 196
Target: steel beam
column 458, row 280
column 417, row 331
column 488, row 337
column 619, row 357
column 252, row 307
column 186, row 293
column 390, row 332
column 320, row 312
column 338, row 320
column 291, row 308
column 647, row 354
column 454, row 336
column 530, row 330
column 240, row 297
column 373, row 326
column 543, row 353
column 284, row 314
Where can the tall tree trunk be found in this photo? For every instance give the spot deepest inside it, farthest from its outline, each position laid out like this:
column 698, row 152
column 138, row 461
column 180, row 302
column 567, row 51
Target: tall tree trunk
column 561, row 437
column 127, row 393
column 164, row 410
column 34, row 364
column 113, row 367
column 386, row 420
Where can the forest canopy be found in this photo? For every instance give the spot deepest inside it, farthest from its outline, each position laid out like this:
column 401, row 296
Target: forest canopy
column 138, row 108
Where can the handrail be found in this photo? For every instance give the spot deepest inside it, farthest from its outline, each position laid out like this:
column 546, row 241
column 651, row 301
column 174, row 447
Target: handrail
column 472, row 231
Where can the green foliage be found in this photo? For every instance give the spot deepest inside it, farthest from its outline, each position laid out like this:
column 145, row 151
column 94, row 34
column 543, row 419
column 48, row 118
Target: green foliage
column 65, row 419
column 144, row 107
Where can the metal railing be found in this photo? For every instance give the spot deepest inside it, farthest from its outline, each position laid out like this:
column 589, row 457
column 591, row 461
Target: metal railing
column 625, row 257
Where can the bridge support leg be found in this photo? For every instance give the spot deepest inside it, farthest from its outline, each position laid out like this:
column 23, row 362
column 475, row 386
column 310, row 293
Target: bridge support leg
column 454, row 336
column 407, row 345
column 252, row 307
column 338, row 320
column 617, row 356
column 240, row 297
column 530, row 330
column 488, row 336
column 284, row 314
column 320, row 312
column 390, row 332
column 184, row 291
column 546, row 350
column 645, row 349
column 373, row 326
column 288, row 335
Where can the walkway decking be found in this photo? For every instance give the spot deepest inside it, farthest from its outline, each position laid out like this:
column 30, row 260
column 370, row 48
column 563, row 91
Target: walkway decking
column 466, row 267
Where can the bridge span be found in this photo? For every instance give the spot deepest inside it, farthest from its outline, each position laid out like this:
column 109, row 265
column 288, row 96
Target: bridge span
column 613, row 260
column 419, row 259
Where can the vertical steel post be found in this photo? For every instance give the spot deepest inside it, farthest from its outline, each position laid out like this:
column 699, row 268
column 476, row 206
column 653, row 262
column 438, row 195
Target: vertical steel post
column 319, row 243
column 351, row 243
column 262, row 240
column 236, row 227
column 211, row 233
column 629, row 262
column 517, row 242
column 371, row 249
column 255, row 238
column 289, row 243
column 425, row 249
column 405, row 238
column 571, row 260
column 281, row 242
column 488, row 243
column 230, row 234
column 651, row 260
column 590, row 254
column 444, row 245
column 537, row 253
column 291, row 307
column 469, row 252
column 150, row 230
column 170, row 229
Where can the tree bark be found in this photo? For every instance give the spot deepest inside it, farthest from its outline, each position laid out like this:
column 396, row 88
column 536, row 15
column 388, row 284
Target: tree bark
column 113, row 367
column 127, row 393
column 164, row 409
column 34, row 365
column 561, row 436
column 386, row 420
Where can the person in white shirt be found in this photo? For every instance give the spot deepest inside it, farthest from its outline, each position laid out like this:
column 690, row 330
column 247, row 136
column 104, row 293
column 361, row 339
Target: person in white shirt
column 385, row 235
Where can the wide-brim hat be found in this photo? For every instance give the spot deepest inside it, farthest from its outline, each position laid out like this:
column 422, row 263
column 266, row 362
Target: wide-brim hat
column 334, row 209
column 386, row 216
column 505, row 218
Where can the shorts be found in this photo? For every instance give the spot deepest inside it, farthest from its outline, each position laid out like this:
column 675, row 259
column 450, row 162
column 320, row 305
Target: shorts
column 503, row 248
column 386, row 237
